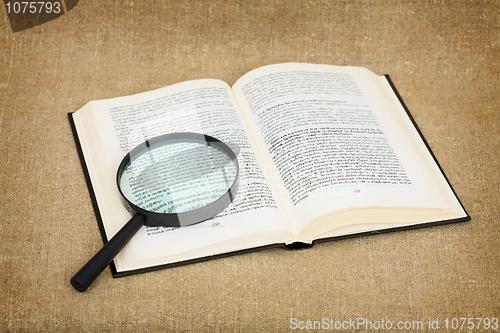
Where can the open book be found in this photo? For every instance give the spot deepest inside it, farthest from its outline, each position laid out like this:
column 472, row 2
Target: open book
column 325, row 152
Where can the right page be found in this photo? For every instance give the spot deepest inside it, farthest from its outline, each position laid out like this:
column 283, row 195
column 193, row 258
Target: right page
column 343, row 155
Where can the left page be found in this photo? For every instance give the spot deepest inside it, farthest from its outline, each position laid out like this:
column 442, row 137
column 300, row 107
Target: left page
column 108, row 129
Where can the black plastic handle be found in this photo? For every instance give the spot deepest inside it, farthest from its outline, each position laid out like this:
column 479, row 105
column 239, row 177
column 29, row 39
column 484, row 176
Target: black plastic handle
column 85, row 276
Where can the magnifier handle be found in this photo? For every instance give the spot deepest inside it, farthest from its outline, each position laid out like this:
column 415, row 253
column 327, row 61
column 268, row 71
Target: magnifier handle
column 85, row 276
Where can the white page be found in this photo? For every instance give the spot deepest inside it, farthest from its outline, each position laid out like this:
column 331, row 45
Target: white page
column 324, row 119
column 202, row 106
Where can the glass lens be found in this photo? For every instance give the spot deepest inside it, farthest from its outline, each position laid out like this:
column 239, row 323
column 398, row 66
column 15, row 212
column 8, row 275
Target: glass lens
column 177, row 177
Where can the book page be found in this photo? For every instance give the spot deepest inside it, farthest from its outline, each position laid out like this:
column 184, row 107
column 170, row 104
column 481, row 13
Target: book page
column 330, row 145
column 111, row 128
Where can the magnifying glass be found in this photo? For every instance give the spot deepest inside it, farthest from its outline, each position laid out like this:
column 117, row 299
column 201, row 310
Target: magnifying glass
column 173, row 180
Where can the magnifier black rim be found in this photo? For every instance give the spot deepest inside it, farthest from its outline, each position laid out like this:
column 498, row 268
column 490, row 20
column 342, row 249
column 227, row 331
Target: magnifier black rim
column 155, row 219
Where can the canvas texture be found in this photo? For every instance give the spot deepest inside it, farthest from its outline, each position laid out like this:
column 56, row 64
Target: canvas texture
column 443, row 57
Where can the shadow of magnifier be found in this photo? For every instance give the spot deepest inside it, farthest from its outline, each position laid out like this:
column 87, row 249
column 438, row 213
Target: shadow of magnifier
column 173, row 180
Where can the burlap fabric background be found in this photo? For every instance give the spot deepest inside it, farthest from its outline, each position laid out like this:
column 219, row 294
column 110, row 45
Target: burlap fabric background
column 443, row 57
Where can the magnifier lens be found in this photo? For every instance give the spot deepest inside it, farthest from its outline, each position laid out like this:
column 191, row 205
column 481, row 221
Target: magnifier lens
column 177, row 177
